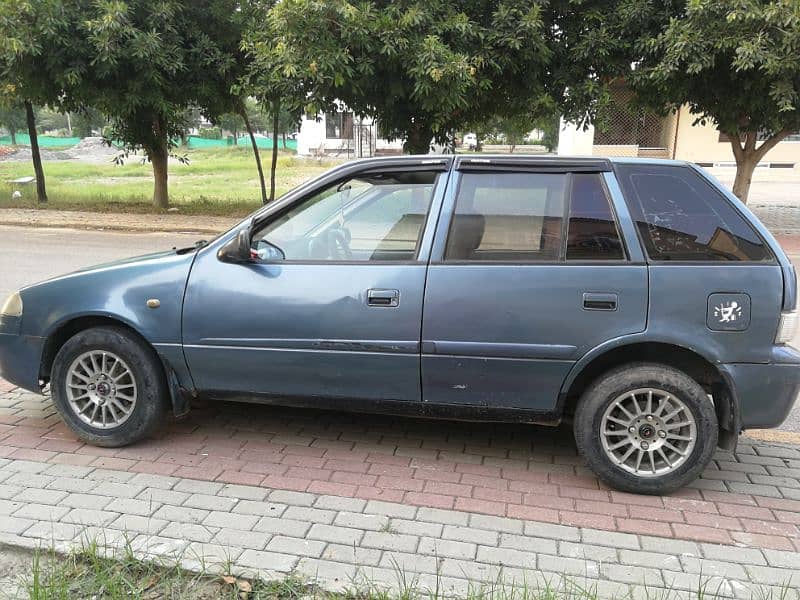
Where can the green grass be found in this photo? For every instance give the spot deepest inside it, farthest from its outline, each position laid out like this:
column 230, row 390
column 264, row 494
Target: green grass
column 91, row 572
column 215, row 182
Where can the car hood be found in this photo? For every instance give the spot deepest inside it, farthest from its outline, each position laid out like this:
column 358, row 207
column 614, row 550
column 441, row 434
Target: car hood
column 118, row 290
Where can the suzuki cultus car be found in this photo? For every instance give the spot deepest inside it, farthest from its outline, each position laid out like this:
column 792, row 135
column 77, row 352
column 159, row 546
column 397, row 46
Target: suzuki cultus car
column 636, row 299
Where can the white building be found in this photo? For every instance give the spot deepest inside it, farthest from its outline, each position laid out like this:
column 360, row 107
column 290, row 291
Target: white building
column 341, row 134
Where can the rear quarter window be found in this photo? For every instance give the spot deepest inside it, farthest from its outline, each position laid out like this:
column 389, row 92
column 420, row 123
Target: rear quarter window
column 682, row 217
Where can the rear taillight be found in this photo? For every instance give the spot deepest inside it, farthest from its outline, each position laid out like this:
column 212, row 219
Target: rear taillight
column 787, row 328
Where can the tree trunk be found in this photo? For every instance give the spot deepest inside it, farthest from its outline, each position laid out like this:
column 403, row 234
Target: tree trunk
column 257, row 154
column 748, row 156
column 418, row 140
column 744, row 176
column 283, row 135
column 13, row 133
column 38, row 171
column 235, row 137
column 275, row 118
column 160, row 160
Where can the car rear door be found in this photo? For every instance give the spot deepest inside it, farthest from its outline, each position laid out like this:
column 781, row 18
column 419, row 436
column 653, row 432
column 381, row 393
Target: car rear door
column 529, row 271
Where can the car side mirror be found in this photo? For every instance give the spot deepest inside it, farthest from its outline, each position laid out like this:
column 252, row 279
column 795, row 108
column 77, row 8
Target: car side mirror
column 237, row 250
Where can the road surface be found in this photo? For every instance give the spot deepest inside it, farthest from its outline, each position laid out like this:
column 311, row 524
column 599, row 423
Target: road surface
column 28, row 255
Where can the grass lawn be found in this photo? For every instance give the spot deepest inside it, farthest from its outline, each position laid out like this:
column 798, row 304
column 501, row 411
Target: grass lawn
column 215, row 182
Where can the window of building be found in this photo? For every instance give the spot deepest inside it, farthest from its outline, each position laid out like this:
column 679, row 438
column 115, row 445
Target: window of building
column 763, row 136
column 682, row 217
column 339, row 125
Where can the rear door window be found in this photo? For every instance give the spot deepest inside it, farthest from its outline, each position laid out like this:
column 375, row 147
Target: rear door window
column 592, row 233
column 510, row 217
column 682, row 217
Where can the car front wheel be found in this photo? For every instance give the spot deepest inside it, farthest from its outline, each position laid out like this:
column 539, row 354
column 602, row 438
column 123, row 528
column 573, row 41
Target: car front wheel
column 646, row 428
column 109, row 387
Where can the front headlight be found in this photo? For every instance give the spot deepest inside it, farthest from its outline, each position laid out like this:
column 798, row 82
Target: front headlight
column 12, row 306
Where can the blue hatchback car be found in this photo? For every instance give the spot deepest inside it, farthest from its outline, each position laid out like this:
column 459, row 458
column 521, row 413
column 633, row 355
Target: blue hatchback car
column 637, row 299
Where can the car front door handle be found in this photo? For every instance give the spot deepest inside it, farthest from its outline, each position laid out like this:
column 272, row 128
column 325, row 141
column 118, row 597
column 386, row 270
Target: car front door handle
column 593, row 301
column 380, row 297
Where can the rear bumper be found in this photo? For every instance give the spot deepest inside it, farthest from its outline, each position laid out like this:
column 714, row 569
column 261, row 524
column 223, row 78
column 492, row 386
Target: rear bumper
column 766, row 393
column 20, row 357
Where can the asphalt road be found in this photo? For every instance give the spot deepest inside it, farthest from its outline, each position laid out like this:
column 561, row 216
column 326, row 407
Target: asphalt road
column 28, row 255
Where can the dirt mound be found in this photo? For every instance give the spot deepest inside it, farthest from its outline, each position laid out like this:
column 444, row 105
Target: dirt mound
column 92, row 149
column 24, row 153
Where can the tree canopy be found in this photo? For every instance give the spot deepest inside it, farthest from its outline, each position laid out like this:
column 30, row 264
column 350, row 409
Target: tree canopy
column 736, row 64
column 421, row 68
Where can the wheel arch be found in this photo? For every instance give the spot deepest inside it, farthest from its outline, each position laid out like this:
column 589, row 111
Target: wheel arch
column 713, row 380
column 66, row 329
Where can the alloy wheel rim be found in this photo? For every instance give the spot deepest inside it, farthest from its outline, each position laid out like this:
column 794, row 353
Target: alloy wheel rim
column 648, row 432
column 101, row 389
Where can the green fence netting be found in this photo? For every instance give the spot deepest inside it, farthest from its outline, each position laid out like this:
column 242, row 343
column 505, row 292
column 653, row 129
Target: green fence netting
column 45, row 141
column 262, row 142
column 194, row 142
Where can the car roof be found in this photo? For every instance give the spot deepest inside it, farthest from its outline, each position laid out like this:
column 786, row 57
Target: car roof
column 496, row 158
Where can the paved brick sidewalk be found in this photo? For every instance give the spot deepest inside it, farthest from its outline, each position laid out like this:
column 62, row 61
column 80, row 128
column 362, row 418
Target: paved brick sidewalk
column 461, row 498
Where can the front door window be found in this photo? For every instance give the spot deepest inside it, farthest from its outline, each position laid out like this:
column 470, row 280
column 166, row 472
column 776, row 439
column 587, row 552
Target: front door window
column 372, row 217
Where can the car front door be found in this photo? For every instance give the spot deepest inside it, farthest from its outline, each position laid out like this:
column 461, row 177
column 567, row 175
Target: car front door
column 528, row 272
column 338, row 315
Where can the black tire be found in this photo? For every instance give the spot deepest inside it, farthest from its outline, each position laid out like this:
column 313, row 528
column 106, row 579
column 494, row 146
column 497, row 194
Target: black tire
column 618, row 382
column 152, row 397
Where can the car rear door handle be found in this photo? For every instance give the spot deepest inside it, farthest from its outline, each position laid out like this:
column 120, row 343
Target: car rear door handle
column 379, row 297
column 593, row 301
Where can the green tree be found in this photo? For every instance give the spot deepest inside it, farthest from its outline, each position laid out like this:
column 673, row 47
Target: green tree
column 736, row 64
column 86, row 121
column 36, row 63
column 145, row 64
column 423, row 69
column 12, row 117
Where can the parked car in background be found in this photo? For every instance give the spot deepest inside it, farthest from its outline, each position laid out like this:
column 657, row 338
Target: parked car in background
column 636, row 299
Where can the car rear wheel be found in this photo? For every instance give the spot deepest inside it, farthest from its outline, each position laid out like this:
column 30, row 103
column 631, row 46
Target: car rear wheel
column 109, row 387
column 646, row 428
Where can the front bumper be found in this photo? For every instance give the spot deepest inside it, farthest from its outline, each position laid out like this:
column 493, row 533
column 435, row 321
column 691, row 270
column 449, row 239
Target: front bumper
column 766, row 393
column 20, row 355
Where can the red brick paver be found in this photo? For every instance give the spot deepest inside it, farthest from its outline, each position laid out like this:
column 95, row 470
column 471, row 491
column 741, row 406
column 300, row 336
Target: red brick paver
column 505, row 470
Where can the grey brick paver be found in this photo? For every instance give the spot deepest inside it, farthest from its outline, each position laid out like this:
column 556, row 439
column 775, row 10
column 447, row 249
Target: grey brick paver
column 181, row 514
column 649, row 559
column 296, row 546
column 361, row 521
column 528, row 543
column 410, row 527
column 253, row 540
column 41, row 512
column 500, row 524
column 262, row 509
column 449, row 548
column 778, row 558
column 390, row 509
column 390, row 541
column 235, row 521
column 352, row 554
column 40, row 496
column 78, row 500
column 752, row 556
column 136, row 524
column 506, row 556
column 312, row 515
column 632, row 574
column 569, row 566
column 89, row 516
column 195, row 532
column 132, row 506
column 272, row 561
column 192, row 486
column 339, row 503
column 208, row 502
column 244, row 492
column 335, row 534
column 281, row 526
column 484, row 537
